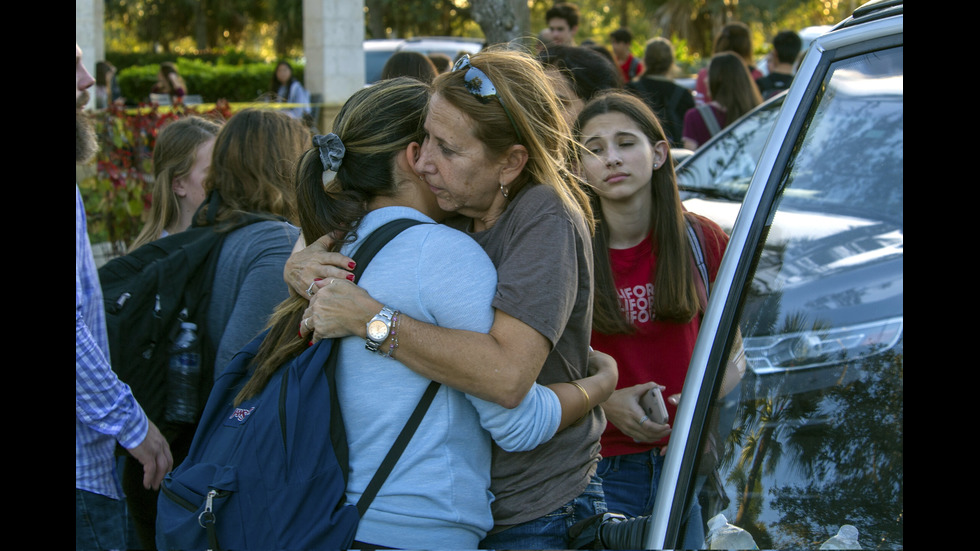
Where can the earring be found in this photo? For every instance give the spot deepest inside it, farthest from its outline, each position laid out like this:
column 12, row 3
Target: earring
column 503, row 190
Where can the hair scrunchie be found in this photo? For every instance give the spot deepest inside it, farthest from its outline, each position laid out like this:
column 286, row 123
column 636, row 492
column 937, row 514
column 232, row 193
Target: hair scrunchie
column 331, row 151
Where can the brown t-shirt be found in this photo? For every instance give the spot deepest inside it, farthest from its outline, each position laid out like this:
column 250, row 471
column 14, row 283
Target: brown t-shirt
column 543, row 256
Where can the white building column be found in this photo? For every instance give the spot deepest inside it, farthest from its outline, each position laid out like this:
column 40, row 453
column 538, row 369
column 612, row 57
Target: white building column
column 90, row 34
column 333, row 34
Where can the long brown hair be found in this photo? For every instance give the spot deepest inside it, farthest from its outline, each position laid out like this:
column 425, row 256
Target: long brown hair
column 253, row 164
column 675, row 298
column 731, row 85
column 375, row 124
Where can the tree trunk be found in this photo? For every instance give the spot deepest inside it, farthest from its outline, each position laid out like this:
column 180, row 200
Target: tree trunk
column 376, row 22
column 200, row 26
column 503, row 20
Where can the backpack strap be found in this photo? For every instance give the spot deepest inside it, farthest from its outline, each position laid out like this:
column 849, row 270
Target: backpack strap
column 397, row 448
column 698, row 258
column 634, row 67
column 370, row 247
column 708, row 115
column 377, row 240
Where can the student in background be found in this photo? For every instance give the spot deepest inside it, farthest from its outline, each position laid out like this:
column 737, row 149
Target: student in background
column 732, row 93
column 409, row 64
column 734, row 37
column 562, row 19
column 621, row 40
column 289, row 89
column 786, row 46
column 668, row 100
column 170, row 83
column 181, row 159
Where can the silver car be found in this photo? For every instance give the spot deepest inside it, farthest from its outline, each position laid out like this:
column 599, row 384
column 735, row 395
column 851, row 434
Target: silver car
column 807, row 446
column 811, row 439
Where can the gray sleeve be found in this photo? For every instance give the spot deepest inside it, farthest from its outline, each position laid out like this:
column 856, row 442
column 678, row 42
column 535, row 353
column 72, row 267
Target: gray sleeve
column 537, row 280
column 260, row 291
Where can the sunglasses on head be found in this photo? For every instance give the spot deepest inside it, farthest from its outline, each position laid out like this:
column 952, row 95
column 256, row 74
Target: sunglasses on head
column 478, row 83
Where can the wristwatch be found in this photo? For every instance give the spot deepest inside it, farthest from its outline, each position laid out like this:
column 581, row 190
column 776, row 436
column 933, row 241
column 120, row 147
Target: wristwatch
column 378, row 329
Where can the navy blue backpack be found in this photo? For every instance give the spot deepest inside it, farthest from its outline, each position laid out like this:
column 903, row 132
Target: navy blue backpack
column 270, row 474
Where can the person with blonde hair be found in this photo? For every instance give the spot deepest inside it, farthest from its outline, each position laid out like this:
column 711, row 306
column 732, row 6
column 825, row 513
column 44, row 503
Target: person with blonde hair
column 497, row 151
column 181, row 159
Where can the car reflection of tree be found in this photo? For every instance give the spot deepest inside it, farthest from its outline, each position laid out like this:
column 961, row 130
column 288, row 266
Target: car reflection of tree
column 823, row 328
column 844, row 441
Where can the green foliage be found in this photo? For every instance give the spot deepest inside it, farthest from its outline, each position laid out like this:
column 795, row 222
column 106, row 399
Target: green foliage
column 227, row 56
column 273, row 28
column 408, row 18
column 236, row 83
column 118, row 192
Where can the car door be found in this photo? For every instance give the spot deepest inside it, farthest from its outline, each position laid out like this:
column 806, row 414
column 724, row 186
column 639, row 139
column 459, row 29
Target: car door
column 810, row 439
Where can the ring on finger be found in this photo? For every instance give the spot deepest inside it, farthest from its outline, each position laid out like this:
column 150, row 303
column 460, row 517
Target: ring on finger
column 309, row 290
column 644, row 419
column 306, row 324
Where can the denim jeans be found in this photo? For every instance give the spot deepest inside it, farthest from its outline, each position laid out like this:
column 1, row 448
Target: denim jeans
column 100, row 522
column 630, row 484
column 551, row 530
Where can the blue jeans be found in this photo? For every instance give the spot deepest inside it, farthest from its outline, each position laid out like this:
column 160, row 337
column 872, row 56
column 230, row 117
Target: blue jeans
column 630, row 484
column 100, row 522
column 551, row 530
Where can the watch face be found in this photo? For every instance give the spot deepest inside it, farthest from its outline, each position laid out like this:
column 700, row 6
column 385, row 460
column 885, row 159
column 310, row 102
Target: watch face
column 377, row 330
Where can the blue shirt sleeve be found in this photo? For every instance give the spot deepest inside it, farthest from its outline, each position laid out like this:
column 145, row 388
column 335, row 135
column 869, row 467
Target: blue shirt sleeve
column 102, row 402
column 466, row 282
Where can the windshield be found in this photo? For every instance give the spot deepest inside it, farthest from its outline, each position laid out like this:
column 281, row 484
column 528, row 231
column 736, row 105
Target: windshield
column 811, row 439
column 723, row 168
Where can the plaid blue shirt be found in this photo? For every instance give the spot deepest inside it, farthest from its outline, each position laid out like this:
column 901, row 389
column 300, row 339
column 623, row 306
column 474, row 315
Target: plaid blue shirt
column 105, row 410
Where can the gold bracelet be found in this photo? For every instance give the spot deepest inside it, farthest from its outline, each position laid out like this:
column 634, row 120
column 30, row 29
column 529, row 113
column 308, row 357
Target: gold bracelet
column 588, row 402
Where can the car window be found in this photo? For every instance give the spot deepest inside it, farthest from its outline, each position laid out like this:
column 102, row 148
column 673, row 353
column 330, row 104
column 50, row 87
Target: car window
column 724, row 167
column 374, row 64
column 811, row 438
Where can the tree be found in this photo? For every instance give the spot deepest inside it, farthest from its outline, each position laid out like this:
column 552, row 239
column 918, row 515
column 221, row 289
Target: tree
column 407, row 18
column 502, row 20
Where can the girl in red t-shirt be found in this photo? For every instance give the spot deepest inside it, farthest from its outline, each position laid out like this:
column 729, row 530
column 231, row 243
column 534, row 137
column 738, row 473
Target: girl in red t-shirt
column 649, row 293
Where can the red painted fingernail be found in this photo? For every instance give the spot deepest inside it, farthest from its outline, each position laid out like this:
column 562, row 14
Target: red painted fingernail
column 350, row 277
column 311, row 343
column 317, row 279
column 351, row 265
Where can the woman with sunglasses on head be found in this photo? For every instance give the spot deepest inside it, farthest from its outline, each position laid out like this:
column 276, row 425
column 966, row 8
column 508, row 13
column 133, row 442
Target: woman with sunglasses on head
column 649, row 293
column 437, row 494
column 496, row 151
